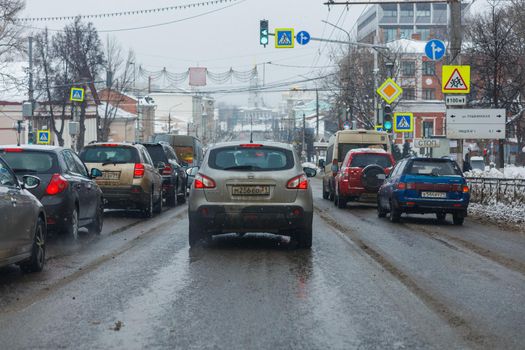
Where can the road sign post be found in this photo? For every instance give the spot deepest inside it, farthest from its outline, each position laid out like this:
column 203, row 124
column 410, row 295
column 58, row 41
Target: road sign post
column 77, row 95
column 284, row 38
column 389, row 90
column 43, row 137
column 455, row 79
column 403, row 122
column 476, row 124
column 303, row 37
column 435, row 49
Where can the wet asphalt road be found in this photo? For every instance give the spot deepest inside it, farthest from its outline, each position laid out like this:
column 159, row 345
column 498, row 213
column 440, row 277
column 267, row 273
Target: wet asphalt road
column 366, row 284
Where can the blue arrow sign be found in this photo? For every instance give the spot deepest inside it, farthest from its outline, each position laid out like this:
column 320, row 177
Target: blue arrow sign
column 303, row 37
column 435, row 49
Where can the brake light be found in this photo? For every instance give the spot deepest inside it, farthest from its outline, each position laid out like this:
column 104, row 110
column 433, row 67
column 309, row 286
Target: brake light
column 167, row 170
column 109, row 145
column 298, row 183
column 56, row 185
column 12, row 150
column 251, row 145
column 139, row 170
column 202, row 181
column 401, row 186
column 465, row 189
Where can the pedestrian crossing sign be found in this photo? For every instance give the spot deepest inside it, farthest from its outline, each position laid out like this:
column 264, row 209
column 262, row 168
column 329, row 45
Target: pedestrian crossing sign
column 379, row 128
column 284, row 38
column 403, row 122
column 455, row 79
column 77, row 95
column 43, row 137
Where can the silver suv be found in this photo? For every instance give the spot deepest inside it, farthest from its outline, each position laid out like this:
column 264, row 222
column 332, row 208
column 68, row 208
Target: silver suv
column 251, row 187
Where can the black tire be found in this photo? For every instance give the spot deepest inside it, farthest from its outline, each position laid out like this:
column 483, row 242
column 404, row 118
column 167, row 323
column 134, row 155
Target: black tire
column 71, row 229
column 341, row 202
column 98, row 222
column 171, row 200
column 147, row 208
column 182, row 196
column 381, row 212
column 331, row 196
column 441, row 217
column 194, row 234
column 37, row 260
column 458, row 219
column 157, row 209
column 395, row 214
column 326, row 194
column 304, row 237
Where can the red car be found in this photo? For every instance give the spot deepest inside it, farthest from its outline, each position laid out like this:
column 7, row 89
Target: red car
column 362, row 172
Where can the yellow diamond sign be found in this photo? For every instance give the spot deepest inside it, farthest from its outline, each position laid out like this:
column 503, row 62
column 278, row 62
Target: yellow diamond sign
column 389, row 91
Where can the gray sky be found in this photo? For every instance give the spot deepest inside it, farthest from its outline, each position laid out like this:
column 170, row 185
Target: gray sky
column 218, row 41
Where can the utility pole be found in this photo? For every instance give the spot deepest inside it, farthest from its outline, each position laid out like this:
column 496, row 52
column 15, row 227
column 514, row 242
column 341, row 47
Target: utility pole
column 169, row 123
column 317, row 114
column 31, row 96
column 303, row 150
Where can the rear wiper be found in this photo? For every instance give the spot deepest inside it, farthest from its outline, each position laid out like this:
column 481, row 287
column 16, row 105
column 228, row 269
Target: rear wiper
column 242, row 167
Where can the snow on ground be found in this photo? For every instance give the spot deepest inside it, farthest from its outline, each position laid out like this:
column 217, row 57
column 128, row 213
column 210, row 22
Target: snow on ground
column 510, row 172
column 500, row 213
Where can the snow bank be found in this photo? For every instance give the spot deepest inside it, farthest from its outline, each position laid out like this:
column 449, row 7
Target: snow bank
column 499, row 212
column 510, row 172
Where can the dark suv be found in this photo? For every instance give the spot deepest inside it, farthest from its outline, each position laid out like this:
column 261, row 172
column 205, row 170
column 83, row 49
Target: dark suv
column 69, row 193
column 174, row 177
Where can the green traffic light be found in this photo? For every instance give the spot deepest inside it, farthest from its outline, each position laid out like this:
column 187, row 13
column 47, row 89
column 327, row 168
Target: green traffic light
column 388, row 125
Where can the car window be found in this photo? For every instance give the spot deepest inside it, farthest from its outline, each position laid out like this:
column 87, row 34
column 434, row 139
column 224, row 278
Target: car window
column 70, row 162
column 6, row 177
column 362, row 160
column 344, row 148
column 329, row 154
column 103, row 154
column 433, row 167
column 147, row 158
column 34, row 162
column 263, row 158
column 157, row 153
column 80, row 165
column 398, row 168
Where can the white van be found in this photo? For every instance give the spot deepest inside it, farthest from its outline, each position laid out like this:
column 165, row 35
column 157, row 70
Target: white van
column 342, row 142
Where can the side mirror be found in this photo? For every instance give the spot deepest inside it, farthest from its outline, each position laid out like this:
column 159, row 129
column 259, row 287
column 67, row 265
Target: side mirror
column 192, row 170
column 94, row 173
column 30, row 182
column 310, row 172
column 161, row 166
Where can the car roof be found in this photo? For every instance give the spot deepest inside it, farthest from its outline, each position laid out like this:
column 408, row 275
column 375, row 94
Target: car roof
column 429, row 159
column 34, row 147
column 368, row 150
column 112, row 143
column 237, row 143
column 476, row 158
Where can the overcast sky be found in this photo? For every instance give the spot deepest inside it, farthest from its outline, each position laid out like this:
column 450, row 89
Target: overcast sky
column 218, row 41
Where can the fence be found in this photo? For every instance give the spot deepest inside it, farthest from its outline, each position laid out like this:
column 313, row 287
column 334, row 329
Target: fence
column 495, row 190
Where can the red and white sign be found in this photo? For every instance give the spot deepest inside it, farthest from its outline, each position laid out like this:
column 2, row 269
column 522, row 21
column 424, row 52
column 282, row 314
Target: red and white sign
column 197, row 76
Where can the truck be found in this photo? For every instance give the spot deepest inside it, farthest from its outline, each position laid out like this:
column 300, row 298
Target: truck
column 188, row 148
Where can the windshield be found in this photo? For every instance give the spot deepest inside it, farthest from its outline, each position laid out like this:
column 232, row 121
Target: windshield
column 433, row 168
column 157, row 153
column 103, row 154
column 344, row 148
column 254, row 159
column 362, row 160
column 31, row 162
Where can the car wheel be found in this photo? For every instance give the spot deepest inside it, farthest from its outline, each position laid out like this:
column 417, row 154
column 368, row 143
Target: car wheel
column 98, row 221
column 441, row 217
column 395, row 214
column 182, row 196
column 341, row 202
column 381, row 212
column 158, row 206
column 326, row 194
column 458, row 220
column 147, row 210
column 171, row 201
column 72, row 228
column 331, row 195
column 37, row 260
column 194, row 234
column 304, row 237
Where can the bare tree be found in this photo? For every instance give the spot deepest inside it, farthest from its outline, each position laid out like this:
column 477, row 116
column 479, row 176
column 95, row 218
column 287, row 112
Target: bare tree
column 119, row 80
column 79, row 47
column 10, row 37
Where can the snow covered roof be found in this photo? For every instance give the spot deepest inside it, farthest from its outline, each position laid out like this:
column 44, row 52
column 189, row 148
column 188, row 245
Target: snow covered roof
column 120, row 113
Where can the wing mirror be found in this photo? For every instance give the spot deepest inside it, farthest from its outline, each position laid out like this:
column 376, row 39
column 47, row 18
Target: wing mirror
column 191, row 171
column 310, row 172
column 30, row 182
column 94, row 173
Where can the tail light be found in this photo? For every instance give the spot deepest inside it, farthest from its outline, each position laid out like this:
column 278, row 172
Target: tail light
column 57, row 185
column 465, row 189
column 336, row 164
column 167, row 170
column 13, row 150
column 139, row 170
column 202, row 181
column 388, row 170
column 109, row 145
column 401, row 186
column 251, row 145
column 298, row 183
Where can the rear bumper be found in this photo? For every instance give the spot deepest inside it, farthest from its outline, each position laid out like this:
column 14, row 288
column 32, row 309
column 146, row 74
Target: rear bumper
column 357, row 193
column 422, row 206
column 217, row 219
column 58, row 211
column 132, row 197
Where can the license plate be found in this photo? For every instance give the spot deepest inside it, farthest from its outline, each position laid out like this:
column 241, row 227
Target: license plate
column 110, row 175
column 250, row 190
column 434, row 194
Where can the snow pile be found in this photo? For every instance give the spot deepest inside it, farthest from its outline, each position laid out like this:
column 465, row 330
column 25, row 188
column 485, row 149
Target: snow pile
column 510, row 172
column 499, row 212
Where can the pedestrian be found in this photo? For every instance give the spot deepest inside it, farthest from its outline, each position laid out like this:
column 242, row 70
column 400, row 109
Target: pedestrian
column 466, row 163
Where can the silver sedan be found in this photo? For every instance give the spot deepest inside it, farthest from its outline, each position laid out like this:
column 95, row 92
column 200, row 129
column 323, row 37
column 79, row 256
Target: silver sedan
column 251, row 187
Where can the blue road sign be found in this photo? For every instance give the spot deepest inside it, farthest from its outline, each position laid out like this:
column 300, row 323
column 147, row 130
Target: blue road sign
column 284, row 38
column 403, row 122
column 77, row 94
column 43, row 137
column 303, row 37
column 435, row 49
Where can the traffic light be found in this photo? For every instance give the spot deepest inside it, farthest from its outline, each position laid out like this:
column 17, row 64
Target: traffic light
column 263, row 39
column 387, row 118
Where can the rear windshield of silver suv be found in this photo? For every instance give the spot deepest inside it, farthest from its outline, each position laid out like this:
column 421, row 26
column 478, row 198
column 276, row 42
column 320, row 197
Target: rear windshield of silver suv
column 109, row 154
column 251, row 157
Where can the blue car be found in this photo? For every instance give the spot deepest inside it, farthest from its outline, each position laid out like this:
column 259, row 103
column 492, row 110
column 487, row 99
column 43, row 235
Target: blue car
column 424, row 185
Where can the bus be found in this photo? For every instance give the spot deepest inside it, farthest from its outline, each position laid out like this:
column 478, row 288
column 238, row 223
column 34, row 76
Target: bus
column 188, row 148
